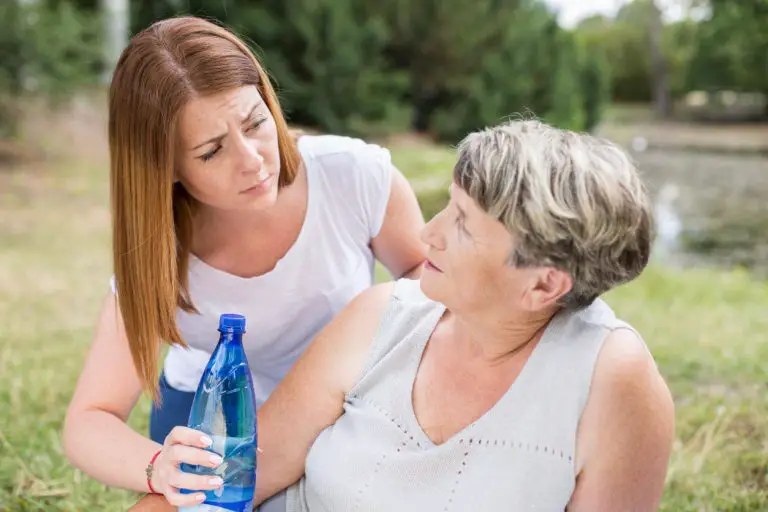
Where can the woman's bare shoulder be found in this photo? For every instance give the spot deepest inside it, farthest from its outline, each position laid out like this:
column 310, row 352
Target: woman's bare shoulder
column 627, row 429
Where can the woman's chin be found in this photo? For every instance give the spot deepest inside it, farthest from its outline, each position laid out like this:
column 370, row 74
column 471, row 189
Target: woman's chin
column 262, row 200
column 430, row 286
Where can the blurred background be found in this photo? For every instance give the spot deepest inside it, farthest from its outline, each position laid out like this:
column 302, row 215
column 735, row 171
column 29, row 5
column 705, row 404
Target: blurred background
column 683, row 84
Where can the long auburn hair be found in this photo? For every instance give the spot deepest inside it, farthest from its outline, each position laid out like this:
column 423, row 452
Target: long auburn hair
column 161, row 69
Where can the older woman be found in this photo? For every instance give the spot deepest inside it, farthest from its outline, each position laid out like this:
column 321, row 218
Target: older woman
column 500, row 380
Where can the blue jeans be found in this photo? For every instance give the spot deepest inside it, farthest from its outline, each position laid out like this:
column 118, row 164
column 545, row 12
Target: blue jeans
column 173, row 410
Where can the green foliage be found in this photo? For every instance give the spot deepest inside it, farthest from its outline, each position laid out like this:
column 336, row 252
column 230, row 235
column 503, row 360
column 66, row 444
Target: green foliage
column 327, row 58
column 596, row 69
column 145, row 12
column 443, row 46
column 445, row 67
column 10, row 83
column 363, row 67
column 567, row 104
column 61, row 47
column 624, row 44
column 595, row 85
column 45, row 51
column 513, row 78
column 324, row 56
column 359, row 67
column 629, row 53
column 520, row 63
column 727, row 50
column 732, row 47
column 680, row 42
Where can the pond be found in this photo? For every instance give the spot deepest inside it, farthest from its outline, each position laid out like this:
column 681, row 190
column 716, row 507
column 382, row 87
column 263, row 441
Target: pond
column 711, row 208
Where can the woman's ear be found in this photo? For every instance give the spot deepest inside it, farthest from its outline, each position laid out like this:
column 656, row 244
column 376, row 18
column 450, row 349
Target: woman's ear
column 549, row 287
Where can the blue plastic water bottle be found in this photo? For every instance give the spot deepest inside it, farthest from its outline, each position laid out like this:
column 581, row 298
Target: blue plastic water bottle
column 224, row 407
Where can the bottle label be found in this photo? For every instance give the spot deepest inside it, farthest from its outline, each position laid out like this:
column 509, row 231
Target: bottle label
column 245, row 506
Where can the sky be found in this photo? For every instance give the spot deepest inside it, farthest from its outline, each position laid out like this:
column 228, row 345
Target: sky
column 573, row 11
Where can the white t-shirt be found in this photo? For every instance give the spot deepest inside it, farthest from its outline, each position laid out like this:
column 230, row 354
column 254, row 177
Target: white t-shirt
column 329, row 264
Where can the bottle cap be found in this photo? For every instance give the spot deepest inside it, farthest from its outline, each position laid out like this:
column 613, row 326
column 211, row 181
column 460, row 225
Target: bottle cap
column 232, row 323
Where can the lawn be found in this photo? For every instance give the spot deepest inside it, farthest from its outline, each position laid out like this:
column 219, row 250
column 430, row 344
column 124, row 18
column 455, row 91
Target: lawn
column 706, row 328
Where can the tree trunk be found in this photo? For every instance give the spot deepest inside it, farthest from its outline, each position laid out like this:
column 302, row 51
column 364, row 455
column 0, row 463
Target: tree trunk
column 117, row 28
column 424, row 105
column 660, row 70
column 765, row 110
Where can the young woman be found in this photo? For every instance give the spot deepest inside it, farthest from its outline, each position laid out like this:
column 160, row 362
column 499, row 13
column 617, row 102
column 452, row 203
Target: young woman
column 218, row 208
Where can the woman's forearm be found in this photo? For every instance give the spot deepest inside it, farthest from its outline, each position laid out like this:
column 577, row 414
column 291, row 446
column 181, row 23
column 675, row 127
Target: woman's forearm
column 105, row 448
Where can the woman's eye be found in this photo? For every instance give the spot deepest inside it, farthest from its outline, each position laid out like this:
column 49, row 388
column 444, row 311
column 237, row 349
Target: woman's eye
column 207, row 156
column 460, row 224
column 255, row 125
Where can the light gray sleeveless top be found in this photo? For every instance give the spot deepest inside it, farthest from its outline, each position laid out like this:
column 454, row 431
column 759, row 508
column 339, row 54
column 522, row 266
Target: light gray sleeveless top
column 518, row 456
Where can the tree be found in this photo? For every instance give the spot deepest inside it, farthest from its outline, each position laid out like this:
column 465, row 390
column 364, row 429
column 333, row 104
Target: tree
column 441, row 44
column 567, row 93
column 679, row 44
column 327, row 56
column 10, row 73
column 595, row 84
column 732, row 49
column 659, row 67
column 517, row 74
column 115, row 14
column 624, row 43
column 47, row 50
column 324, row 56
column 474, row 64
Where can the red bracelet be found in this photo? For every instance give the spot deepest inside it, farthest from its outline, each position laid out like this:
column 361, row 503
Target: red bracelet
column 148, row 471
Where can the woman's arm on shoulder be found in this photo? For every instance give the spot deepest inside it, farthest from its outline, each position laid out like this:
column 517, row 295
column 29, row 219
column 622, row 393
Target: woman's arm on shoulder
column 398, row 245
column 626, row 432
column 311, row 396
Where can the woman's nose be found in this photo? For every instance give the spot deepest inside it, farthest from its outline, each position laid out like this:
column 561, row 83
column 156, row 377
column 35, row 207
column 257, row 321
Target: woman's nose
column 250, row 160
column 431, row 233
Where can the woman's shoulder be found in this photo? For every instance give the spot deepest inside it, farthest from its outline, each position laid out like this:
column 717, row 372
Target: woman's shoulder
column 630, row 407
column 331, row 147
column 624, row 356
column 354, row 174
column 615, row 340
column 395, row 311
column 391, row 309
column 626, row 382
column 596, row 325
column 348, row 162
column 403, row 293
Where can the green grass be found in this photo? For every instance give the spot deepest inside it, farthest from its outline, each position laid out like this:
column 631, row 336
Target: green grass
column 706, row 328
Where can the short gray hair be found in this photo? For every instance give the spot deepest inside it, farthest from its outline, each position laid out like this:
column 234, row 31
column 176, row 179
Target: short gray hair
column 571, row 201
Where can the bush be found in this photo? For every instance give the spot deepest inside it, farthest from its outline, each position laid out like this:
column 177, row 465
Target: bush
column 326, row 57
column 567, row 102
column 595, row 85
column 449, row 67
column 518, row 74
column 47, row 51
